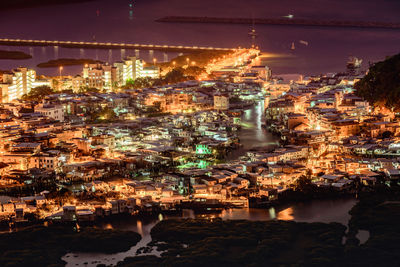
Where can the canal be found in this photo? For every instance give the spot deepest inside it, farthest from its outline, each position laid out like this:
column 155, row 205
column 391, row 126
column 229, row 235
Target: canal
column 253, row 135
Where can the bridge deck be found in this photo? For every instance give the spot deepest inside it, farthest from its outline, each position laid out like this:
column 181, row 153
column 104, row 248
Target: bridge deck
column 98, row 45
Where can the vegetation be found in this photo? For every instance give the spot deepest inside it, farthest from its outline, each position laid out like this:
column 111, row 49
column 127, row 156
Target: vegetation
column 176, row 75
column 106, row 114
column 243, row 243
column 282, row 243
column 44, row 246
column 143, row 82
column 66, row 62
column 14, row 55
column 38, row 93
column 379, row 214
column 87, row 89
column 381, row 86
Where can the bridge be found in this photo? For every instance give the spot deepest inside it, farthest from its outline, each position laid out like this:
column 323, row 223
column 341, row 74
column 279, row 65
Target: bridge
column 98, row 45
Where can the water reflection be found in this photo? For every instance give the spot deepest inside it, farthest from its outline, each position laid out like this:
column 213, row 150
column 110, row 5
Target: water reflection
column 286, row 215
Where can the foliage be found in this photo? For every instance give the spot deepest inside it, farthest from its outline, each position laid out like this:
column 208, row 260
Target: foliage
column 87, row 89
column 194, row 71
column 105, row 114
column 44, row 246
column 176, row 75
column 38, row 93
column 379, row 214
column 381, row 86
column 142, row 82
column 242, row 243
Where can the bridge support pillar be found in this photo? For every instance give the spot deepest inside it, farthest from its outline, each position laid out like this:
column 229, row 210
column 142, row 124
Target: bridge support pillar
column 137, row 53
column 151, row 55
column 110, row 56
column 122, row 54
column 81, row 53
column 31, row 51
column 165, row 57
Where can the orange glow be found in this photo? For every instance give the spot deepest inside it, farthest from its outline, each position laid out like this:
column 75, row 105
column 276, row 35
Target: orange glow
column 286, row 215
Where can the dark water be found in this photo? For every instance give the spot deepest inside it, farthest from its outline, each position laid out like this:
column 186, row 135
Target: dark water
column 327, row 51
column 314, row 211
column 252, row 135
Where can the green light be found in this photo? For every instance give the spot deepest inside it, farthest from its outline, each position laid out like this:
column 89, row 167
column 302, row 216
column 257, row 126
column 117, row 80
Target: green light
column 202, row 150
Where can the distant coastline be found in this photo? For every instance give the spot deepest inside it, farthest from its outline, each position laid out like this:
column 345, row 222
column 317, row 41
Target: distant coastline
column 17, row 4
column 282, row 21
column 17, row 55
column 66, row 62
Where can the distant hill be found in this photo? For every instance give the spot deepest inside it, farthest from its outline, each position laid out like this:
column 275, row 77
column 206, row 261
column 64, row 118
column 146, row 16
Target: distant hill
column 381, row 86
column 14, row 55
column 34, row 3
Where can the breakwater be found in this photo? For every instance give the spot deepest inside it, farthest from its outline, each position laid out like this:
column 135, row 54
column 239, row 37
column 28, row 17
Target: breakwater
column 282, row 21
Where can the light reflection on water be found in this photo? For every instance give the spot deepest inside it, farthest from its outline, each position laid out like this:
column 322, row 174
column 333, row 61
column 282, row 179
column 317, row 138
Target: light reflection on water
column 286, row 215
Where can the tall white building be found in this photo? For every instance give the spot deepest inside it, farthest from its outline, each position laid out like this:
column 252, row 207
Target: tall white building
column 17, row 83
column 100, row 76
column 130, row 69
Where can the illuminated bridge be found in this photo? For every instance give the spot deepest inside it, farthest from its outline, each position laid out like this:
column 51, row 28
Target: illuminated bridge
column 98, row 45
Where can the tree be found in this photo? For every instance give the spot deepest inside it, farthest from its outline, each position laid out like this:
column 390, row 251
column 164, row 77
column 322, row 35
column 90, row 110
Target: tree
column 194, row 71
column 38, row 93
column 106, row 114
column 381, row 86
column 87, row 89
column 175, row 76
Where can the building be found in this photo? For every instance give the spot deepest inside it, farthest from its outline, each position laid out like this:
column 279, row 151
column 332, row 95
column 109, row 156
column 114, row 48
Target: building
column 100, row 76
column 151, row 72
column 221, row 102
column 264, row 72
column 55, row 112
column 17, row 83
column 130, row 69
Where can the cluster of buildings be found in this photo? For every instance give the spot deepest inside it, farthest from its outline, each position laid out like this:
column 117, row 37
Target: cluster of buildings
column 159, row 147
column 344, row 140
column 102, row 76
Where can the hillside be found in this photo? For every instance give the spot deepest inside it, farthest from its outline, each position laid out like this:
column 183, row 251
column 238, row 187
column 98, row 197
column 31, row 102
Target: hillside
column 381, row 86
